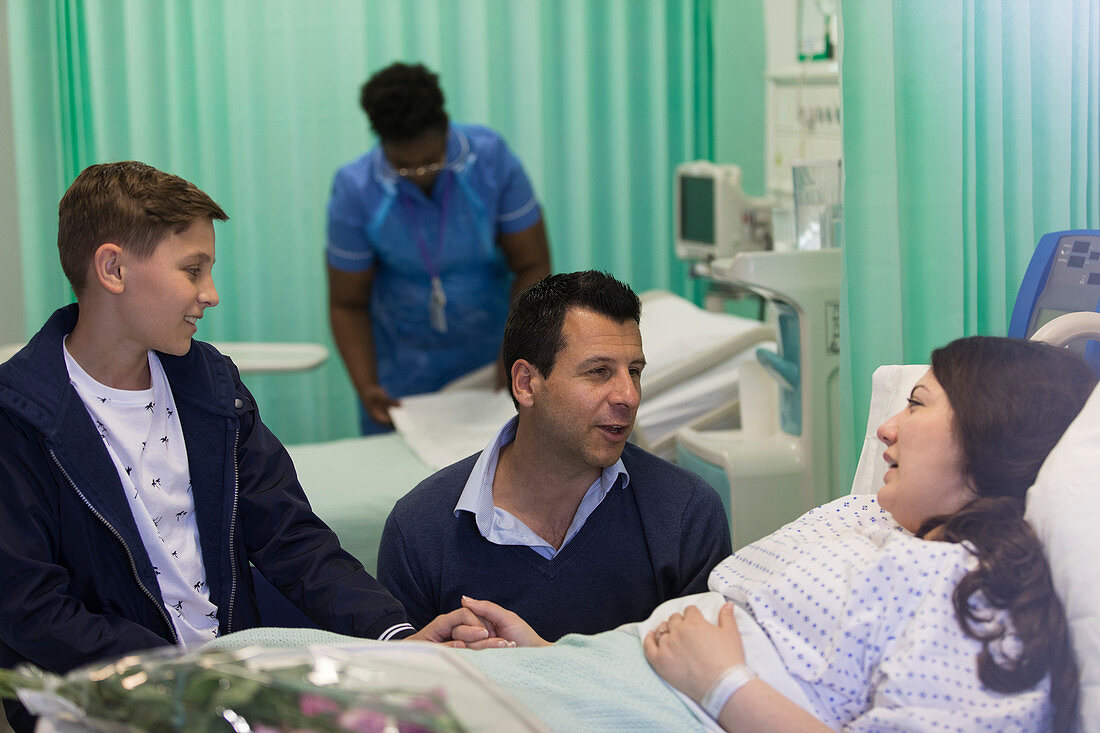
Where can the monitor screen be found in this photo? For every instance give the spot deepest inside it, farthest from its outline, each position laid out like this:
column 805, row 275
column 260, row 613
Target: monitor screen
column 697, row 209
column 1043, row 316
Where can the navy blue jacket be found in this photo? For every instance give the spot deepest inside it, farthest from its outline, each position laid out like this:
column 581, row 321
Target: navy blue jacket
column 654, row 539
column 76, row 584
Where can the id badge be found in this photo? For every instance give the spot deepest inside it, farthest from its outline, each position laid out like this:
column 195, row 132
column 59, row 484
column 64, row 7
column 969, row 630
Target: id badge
column 437, row 311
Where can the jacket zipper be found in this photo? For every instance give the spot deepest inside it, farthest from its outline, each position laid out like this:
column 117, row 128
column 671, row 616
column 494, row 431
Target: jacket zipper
column 133, row 566
column 232, row 533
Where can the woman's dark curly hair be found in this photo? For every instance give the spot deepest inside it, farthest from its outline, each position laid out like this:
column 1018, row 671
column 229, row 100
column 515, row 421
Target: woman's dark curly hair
column 402, row 102
column 1012, row 400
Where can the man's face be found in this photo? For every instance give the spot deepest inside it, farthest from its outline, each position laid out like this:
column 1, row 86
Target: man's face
column 584, row 411
column 418, row 160
column 166, row 293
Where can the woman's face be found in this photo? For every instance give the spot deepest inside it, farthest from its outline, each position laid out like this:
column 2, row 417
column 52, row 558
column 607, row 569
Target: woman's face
column 926, row 475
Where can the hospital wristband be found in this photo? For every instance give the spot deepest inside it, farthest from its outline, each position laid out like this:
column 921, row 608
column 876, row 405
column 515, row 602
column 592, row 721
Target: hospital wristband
column 729, row 682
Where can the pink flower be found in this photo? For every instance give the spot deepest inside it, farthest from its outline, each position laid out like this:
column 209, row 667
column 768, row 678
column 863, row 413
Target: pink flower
column 314, row 705
column 429, row 702
column 360, row 720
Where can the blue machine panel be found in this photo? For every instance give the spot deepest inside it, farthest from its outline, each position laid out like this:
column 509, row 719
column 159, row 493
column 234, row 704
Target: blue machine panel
column 1062, row 277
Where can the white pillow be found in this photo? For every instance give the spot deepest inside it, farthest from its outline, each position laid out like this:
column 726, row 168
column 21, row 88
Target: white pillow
column 890, row 388
column 1064, row 508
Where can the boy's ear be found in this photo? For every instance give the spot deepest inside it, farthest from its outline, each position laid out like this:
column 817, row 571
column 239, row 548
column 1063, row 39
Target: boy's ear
column 524, row 379
column 107, row 267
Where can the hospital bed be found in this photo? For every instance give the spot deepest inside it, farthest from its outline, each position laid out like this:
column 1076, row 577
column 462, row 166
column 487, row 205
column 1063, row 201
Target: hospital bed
column 693, row 359
column 1063, row 506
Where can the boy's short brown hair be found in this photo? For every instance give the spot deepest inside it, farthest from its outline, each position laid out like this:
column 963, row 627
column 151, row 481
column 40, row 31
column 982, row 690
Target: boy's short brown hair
column 131, row 204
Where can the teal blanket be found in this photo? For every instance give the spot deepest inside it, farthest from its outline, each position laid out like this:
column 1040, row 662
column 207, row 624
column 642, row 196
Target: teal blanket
column 591, row 683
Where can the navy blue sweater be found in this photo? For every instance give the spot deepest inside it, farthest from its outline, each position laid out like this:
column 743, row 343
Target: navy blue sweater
column 657, row 538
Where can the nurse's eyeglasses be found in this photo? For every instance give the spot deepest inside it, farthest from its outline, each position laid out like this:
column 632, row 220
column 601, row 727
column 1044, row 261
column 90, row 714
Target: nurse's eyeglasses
column 420, row 170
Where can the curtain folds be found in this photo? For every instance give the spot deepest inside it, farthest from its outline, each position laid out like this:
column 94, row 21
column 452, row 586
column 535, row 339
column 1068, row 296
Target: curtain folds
column 256, row 101
column 970, row 130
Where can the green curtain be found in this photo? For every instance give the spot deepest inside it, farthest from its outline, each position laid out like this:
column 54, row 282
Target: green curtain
column 739, row 52
column 256, row 102
column 971, row 128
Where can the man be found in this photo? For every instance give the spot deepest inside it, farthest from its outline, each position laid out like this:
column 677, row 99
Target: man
column 429, row 235
column 559, row 519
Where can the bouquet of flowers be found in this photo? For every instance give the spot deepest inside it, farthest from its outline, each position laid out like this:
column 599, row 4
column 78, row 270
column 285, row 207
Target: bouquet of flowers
column 298, row 690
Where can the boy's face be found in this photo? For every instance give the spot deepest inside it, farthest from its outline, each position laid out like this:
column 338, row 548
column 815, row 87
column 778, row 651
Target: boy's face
column 166, row 293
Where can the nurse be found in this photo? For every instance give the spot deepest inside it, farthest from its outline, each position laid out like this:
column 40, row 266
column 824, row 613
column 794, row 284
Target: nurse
column 430, row 235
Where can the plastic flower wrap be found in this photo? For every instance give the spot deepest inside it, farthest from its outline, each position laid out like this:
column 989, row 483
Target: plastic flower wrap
column 325, row 689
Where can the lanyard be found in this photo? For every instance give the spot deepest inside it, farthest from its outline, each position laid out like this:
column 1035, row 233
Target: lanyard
column 437, row 305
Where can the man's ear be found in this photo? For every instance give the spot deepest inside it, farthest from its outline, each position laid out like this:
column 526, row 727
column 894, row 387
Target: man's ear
column 107, row 267
column 524, row 379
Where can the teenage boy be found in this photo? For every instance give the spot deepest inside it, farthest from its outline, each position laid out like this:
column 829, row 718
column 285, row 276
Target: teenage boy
column 137, row 481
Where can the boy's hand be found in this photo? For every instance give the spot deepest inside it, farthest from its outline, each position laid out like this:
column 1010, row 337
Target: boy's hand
column 460, row 628
column 504, row 623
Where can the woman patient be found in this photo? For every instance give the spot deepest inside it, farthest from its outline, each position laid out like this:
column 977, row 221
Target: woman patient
column 929, row 605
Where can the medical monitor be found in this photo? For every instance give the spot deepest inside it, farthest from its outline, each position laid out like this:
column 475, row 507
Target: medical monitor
column 1062, row 277
column 712, row 216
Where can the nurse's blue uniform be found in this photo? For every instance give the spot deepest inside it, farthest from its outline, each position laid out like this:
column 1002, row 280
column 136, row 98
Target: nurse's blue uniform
column 378, row 219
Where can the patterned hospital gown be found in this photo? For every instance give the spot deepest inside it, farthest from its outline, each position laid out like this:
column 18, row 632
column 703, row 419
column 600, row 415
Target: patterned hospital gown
column 861, row 613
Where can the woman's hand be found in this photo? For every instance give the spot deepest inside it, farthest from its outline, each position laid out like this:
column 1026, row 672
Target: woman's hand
column 690, row 652
column 503, row 623
column 461, row 628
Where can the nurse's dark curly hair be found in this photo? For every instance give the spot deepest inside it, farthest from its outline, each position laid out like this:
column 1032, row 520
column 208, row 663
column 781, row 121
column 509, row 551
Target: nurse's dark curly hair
column 402, row 102
column 1012, row 400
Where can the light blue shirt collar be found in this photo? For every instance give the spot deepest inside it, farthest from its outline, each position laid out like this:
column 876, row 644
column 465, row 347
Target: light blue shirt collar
column 503, row 528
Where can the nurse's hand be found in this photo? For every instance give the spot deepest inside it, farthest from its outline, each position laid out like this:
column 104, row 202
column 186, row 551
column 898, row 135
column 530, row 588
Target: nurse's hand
column 690, row 652
column 503, row 623
column 378, row 402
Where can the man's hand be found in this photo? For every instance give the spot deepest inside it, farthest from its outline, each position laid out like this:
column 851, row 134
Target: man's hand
column 460, row 628
column 378, row 402
column 503, row 623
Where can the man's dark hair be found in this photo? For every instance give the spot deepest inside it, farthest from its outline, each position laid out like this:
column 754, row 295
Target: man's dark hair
column 534, row 328
column 402, row 102
column 131, row 204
